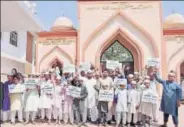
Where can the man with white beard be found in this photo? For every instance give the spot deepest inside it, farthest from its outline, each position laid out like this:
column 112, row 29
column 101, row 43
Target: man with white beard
column 91, row 98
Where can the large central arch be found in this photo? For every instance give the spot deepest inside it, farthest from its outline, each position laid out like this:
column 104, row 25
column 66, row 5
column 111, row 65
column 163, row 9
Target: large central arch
column 127, row 43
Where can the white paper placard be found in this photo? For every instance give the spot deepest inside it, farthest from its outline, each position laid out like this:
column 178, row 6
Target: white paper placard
column 47, row 89
column 111, row 64
column 149, row 98
column 106, row 95
column 16, row 88
column 85, row 66
column 69, row 68
column 31, row 83
column 73, row 91
column 152, row 62
column 120, row 81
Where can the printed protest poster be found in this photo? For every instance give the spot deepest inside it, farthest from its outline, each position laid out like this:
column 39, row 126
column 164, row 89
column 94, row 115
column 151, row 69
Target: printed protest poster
column 120, row 81
column 47, row 89
column 73, row 91
column 85, row 66
column 69, row 68
column 16, row 88
column 153, row 62
column 111, row 64
column 106, row 95
column 149, row 98
column 31, row 83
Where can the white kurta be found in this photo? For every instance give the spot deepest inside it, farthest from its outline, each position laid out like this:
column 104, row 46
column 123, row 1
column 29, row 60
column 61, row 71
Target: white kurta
column 46, row 101
column 57, row 96
column 91, row 98
column 146, row 108
column 31, row 100
column 121, row 105
column 133, row 100
column 16, row 101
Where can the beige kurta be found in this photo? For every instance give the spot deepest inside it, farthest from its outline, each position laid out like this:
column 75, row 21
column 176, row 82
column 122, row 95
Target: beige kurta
column 16, row 101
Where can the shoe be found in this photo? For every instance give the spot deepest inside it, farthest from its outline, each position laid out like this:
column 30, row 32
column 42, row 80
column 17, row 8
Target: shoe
column 49, row 122
column 13, row 123
column 164, row 125
column 33, row 122
column 26, row 122
column 109, row 122
column 155, row 121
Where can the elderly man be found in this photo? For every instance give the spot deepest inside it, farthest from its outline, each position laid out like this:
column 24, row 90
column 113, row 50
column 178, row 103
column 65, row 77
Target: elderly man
column 172, row 94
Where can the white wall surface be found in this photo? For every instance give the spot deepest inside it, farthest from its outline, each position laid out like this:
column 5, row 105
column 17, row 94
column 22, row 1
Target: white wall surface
column 8, row 50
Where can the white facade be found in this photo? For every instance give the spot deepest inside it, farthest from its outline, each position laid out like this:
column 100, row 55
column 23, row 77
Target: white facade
column 18, row 16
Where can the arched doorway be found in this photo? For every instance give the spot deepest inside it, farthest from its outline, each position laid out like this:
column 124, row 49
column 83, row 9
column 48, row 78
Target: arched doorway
column 116, row 51
column 182, row 72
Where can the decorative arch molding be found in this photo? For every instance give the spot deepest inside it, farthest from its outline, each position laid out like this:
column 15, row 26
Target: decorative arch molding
column 54, row 59
column 175, row 62
column 128, row 43
column 55, row 49
column 134, row 24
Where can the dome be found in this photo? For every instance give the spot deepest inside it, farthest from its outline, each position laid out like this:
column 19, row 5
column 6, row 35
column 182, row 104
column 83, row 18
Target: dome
column 62, row 23
column 174, row 20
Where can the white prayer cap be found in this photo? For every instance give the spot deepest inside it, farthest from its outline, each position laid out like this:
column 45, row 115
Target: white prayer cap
column 133, row 82
column 58, row 77
column 51, row 70
column 130, row 76
column 147, row 77
column 172, row 74
column 89, row 71
column 46, row 73
column 136, row 73
column 146, row 81
column 123, row 82
column 81, row 79
column 9, row 74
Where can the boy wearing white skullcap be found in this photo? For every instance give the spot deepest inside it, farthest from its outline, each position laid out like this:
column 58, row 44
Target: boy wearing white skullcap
column 130, row 78
column 57, row 111
column 121, row 107
column 133, row 103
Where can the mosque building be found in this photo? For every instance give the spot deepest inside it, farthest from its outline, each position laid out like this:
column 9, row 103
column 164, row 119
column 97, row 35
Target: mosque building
column 131, row 32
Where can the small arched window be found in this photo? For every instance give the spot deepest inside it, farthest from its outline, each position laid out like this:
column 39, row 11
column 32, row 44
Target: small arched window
column 13, row 38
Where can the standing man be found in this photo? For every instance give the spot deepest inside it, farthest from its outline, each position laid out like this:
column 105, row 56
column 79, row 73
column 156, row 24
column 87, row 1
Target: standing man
column 91, row 98
column 172, row 94
column 6, row 98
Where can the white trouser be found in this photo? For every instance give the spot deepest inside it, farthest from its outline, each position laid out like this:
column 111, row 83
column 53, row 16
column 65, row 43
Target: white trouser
column 154, row 111
column 121, row 116
column 129, row 117
column 33, row 115
column 93, row 113
column 139, row 115
column 13, row 114
column 84, row 114
column 68, row 112
column 46, row 112
column 57, row 113
column 5, row 115
column 110, row 112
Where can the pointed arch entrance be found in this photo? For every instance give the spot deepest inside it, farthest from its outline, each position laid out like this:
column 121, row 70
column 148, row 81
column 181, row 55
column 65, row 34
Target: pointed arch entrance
column 117, row 52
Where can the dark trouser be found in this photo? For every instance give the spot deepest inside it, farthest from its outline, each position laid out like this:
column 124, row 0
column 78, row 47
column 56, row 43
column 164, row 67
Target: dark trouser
column 174, row 118
column 103, row 117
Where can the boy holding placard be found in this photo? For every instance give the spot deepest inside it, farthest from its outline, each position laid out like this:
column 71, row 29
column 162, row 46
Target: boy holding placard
column 121, row 106
column 31, row 98
column 16, row 104
column 133, row 102
column 146, row 103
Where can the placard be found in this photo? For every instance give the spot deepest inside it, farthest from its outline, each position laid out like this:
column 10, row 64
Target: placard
column 120, row 81
column 85, row 66
column 106, row 95
column 73, row 91
column 149, row 98
column 16, row 88
column 31, row 83
column 47, row 89
column 69, row 68
column 152, row 62
column 111, row 64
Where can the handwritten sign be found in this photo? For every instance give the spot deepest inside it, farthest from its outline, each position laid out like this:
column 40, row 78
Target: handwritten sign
column 73, row 91
column 152, row 62
column 47, row 89
column 120, row 81
column 31, row 83
column 85, row 66
column 16, row 88
column 69, row 68
column 149, row 98
column 106, row 95
column 110, row 64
